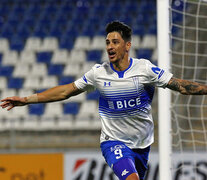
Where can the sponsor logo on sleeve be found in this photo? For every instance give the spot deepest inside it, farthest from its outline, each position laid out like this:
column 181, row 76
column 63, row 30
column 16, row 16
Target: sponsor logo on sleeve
column 158, row 71
column 84, row 78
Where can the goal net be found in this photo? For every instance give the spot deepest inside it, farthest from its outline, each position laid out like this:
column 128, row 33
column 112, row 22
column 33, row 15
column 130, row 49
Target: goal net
column 188, row 53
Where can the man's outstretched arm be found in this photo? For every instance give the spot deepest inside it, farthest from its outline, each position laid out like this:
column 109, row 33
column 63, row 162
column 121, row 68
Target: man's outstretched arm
column 187, row 87
column 57, row 93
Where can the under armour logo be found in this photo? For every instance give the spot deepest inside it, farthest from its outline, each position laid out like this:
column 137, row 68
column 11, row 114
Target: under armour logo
column 107, row 84
column 124, row 172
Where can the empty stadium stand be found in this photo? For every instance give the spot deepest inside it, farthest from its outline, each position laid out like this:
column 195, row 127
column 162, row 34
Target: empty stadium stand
column 45, row 43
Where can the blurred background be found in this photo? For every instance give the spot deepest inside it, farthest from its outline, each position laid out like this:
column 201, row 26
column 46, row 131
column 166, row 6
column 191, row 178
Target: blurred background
column 45, row 43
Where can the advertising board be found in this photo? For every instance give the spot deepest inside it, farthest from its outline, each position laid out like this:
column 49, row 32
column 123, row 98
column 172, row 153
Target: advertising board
column 91, row 166
column 31, row 166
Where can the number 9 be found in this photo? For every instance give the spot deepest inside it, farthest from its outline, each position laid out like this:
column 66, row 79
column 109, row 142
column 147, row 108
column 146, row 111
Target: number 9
column 119, row 153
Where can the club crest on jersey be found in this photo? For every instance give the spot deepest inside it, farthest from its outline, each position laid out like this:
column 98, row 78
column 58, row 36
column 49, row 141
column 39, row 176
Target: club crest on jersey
column 107, row 84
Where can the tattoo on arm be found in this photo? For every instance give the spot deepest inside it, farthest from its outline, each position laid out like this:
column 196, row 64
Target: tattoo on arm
column 187, row 87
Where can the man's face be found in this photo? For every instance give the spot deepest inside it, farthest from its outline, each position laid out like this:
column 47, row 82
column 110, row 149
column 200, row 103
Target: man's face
column 116, row 47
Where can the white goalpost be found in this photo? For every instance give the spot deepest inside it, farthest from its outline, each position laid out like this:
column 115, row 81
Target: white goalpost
column 164, row 113
column 182, row 48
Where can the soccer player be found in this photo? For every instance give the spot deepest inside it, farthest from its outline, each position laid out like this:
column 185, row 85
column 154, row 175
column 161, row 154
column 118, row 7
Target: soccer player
column 126, row 87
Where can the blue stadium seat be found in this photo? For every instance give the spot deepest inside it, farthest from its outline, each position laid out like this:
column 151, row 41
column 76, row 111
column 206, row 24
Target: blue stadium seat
column 61, row 19
column 2, row 22
column 40, row 31
column 108, row 18
column 20, row 2
column 7, row 31
column 82, row 8
column 44, row 57
column 131, row 7
column 43, row 26
column 52, row 2
column 93, row 95
column 71, row 32
column 127, row 20
column 34, row 9
column 144, row 53
column 29, row 21
column 176, row 17
column 139, row 30
column 39, row 90
column 23, row 31
column 36, row 109
column 6, row 71
column 66, row 80
column 4, row 9
column 101, row 4
column 15, row 83
column 17, row 43
column 56, row 69
column 66, row 42
column 50, row 8
column 98, row 11
column 71, row 108
column 0, row 58
column 93, row 20
column 141, row 19
column 101, row 30
column 67, row 7
column 45, row 20
column 19, row 7
column 56, row 31
column 77, row 22
column 148, row 7
column 174, row 30
column 88, row 31
column 115, row 8
column 94, row 55
column 13, row 20
column 178, row 5
column 152, row 29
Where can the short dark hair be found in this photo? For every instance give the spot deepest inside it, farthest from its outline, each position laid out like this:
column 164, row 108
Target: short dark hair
column 117, row 26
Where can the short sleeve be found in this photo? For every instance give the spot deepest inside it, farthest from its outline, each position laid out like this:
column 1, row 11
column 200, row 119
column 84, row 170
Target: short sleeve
column 157, row 76
column 86, row 82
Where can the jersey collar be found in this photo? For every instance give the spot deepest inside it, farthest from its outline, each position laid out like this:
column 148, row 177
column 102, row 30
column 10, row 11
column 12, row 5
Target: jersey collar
column 121, row 73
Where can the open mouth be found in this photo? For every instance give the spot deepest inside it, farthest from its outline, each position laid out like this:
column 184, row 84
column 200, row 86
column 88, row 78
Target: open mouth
column 111, row 54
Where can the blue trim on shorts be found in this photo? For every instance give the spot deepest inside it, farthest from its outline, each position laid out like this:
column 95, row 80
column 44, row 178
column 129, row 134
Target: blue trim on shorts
column 114, row 151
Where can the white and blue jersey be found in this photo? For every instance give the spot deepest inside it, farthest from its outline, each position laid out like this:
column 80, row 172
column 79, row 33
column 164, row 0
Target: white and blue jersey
column 125, row 100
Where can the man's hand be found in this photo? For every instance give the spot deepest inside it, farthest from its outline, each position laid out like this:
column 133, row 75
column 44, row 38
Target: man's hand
column 11, row 102
column 57, row 93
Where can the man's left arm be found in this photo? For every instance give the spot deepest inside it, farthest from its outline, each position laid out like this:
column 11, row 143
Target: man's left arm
column 187, row 87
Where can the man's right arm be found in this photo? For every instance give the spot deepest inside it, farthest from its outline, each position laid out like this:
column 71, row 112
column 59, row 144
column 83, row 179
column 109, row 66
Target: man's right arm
column 57, row 93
